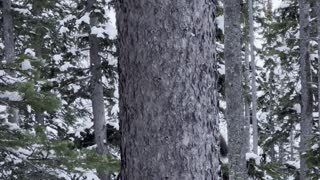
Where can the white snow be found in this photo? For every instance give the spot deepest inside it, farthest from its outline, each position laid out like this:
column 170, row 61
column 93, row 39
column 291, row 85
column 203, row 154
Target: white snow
column 30, row 52
column 295, row 164
column 84, row 19
column 57, row 58
column 22, row 11
column 98, row 31
column 2, row 72
column 26, row 65
column 63, row 30
column 111, row 26
column 12, row 96
column 251, row 155
column 65, row 66
column 220, row 22
column 276, row 4
column 297, row 107
column 315, row 147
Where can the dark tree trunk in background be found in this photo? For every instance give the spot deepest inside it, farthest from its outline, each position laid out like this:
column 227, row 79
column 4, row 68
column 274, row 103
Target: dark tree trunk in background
column 97, row 97
column 38, row 45
column 233, row 85
column 253, row 81
column 167, row 90
column 306, row 93
column 9, row 52
column 318, row 28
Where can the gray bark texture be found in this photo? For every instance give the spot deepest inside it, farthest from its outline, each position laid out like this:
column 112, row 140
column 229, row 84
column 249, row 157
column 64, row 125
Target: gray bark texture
column 306, row 93
column 9, row 51
column 253, row 80
column 168, row 105
column 233, row 85
column 97, row 97
column 247, row 101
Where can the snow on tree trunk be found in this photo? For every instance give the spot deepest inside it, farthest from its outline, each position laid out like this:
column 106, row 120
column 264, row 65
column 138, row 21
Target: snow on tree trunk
column 9, row 52
column 306, row 93
column 97, row 97
column 253, row 81
column 233, row 85
column 168, row 110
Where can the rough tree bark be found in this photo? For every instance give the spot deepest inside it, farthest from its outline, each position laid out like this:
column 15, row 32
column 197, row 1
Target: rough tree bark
column 306, row 93
column 97, row 97
column 9, row 51
column 168, row 113
column 253, row 81
column 233, row 85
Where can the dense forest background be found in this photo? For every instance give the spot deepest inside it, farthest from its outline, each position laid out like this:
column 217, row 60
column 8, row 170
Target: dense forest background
column 59, row 89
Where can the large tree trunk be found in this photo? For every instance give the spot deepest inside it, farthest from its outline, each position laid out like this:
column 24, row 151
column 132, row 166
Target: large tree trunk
column 97, row 97
column 306, row 93
column 9, row 51
column 233, row 85
column 168, row 113
column 253, row 80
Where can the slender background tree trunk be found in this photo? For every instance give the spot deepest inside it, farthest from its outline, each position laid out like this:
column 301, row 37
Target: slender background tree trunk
column 318, row 28
column 9, row 52
column 97, row 97
column 38, row 45
column 306, row 93
column 247, row 100
column 233, row 85
column 253, row 80
column 168, row 110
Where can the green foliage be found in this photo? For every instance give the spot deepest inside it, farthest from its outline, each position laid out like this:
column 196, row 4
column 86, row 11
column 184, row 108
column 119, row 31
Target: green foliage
column 39, row 101
column 44, row 153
